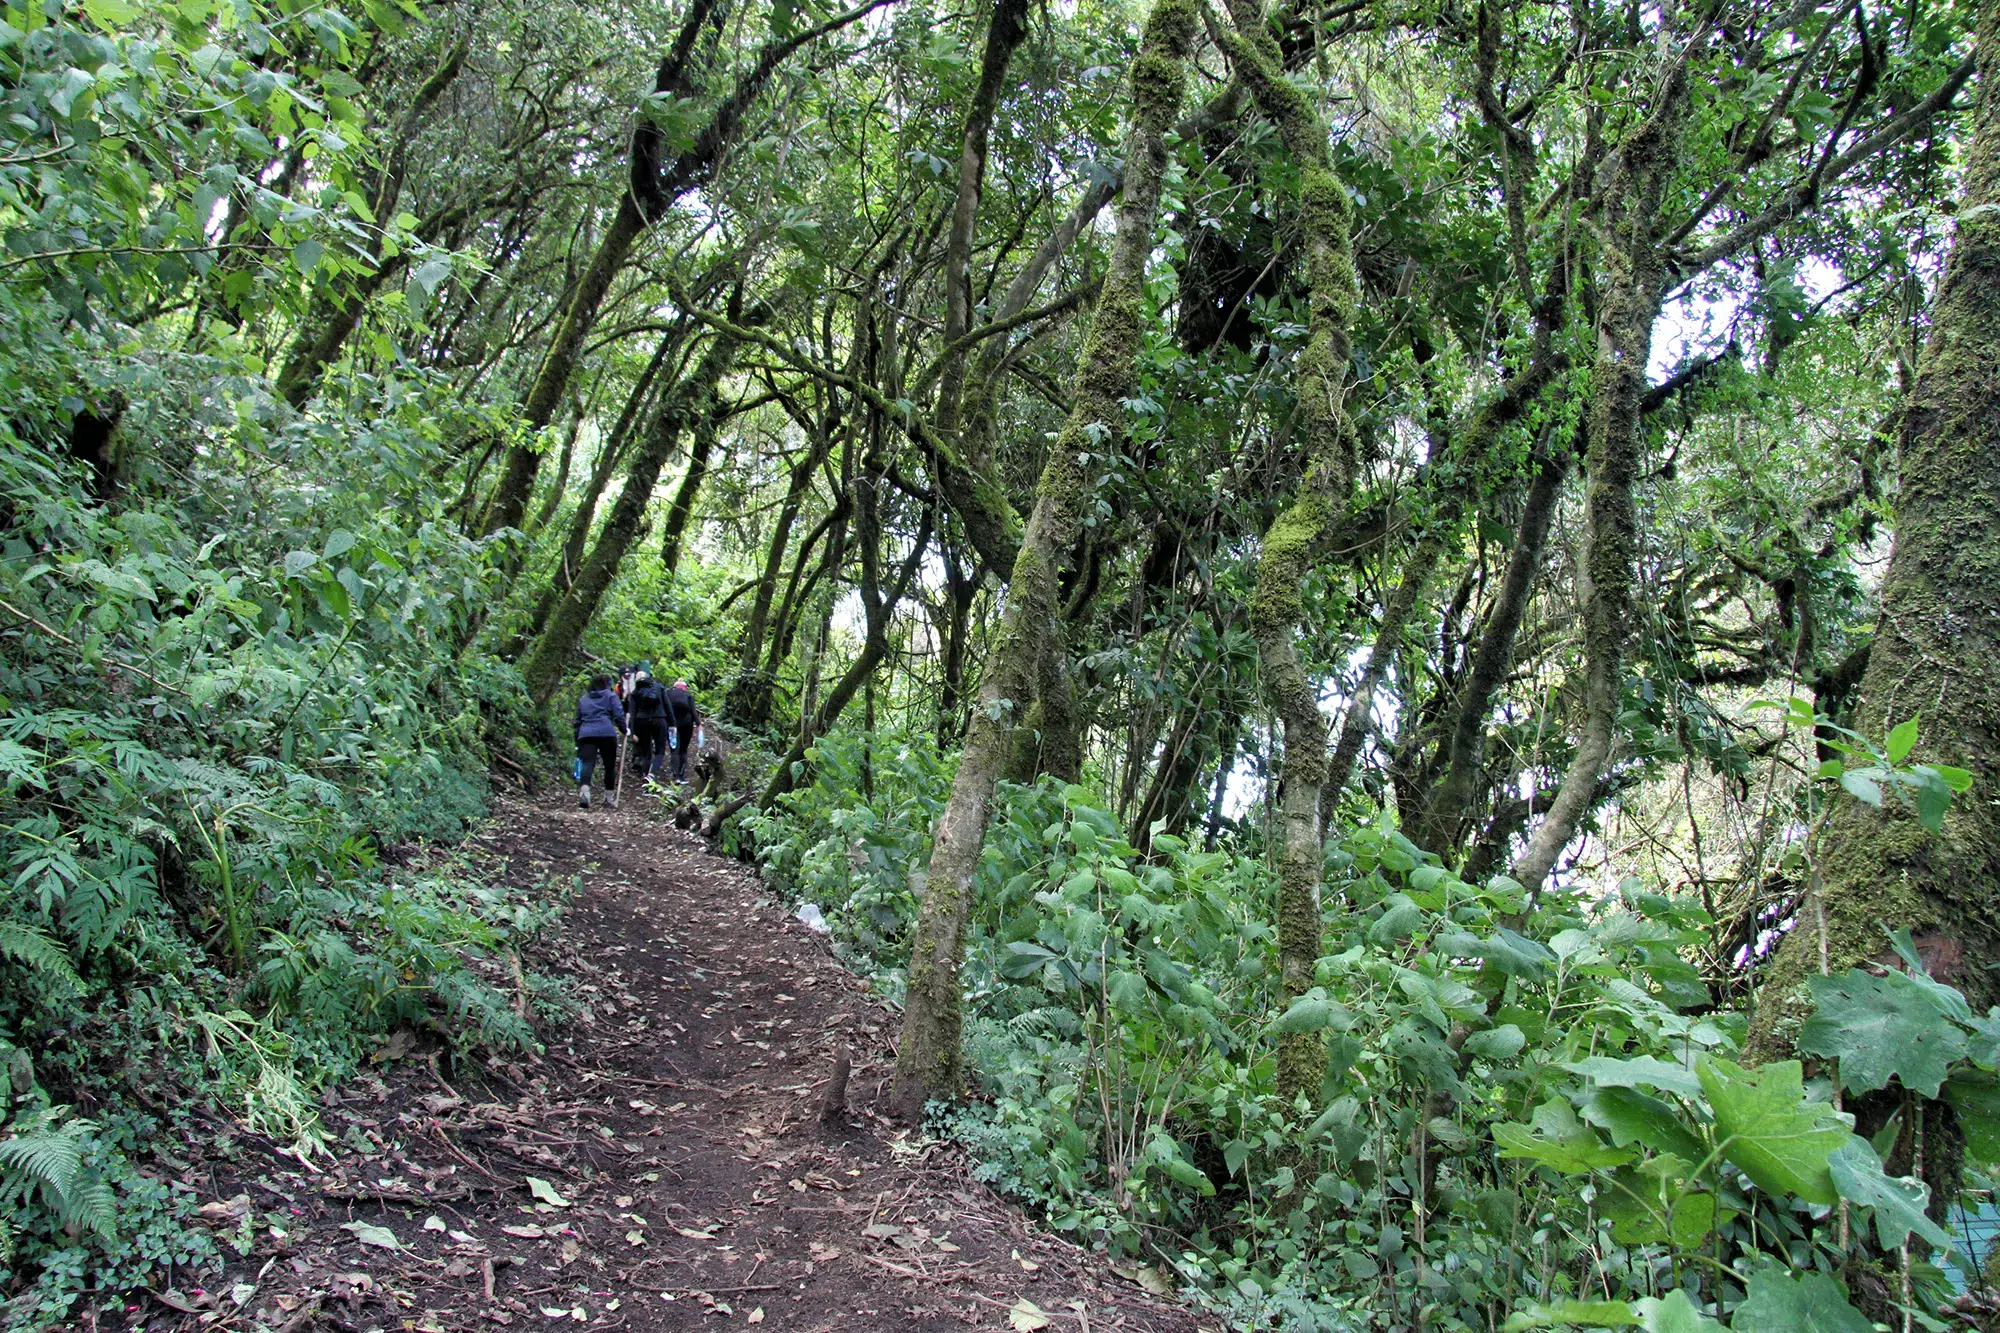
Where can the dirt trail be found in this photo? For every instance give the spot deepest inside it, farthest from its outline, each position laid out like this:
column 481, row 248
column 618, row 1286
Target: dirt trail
column 677, row 1119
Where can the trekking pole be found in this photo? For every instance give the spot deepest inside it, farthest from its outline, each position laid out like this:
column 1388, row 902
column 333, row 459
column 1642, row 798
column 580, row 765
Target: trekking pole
column 618, row 783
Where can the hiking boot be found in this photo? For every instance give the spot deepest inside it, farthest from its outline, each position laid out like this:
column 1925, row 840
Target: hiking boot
column 583, row 797
column 611, row 801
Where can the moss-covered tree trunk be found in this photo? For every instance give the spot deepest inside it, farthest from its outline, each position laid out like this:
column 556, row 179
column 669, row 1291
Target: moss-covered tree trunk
column 929, row 1062
column 1294, row 539
column 750, row 688
column 1632, row 278
column 1936, row 651
column 692, row 406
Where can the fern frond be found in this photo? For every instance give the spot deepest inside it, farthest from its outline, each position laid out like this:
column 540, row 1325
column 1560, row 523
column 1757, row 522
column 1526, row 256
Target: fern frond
column 40, row 952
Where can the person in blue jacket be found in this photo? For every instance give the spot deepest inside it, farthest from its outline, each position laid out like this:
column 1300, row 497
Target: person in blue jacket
column 600, row 720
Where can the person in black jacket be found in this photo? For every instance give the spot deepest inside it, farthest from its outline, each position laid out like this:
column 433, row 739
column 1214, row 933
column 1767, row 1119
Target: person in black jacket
column 600, row 719
column 647, row 704
column 683, row 717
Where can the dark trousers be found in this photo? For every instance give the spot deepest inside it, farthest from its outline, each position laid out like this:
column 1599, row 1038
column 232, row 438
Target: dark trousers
column 590, row 749
column 684, row 737
column 649, row 738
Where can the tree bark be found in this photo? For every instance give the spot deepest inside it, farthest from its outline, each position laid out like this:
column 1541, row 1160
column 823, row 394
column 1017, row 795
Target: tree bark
column 1936, row 643
column 929, row 1060
column 1295, row 537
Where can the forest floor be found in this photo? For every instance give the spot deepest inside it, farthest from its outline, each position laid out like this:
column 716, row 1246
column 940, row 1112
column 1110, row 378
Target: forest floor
column 663, row 1165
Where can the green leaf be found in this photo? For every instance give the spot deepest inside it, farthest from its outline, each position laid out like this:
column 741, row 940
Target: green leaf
column 1555, row 1138
column 1975, row 1095
column 1402, row 920
column 1898, row 1202
column 298, row 562
column 1674, row 1314
column 1862, row 787
column 430, row 274
column 1781, row 1303
column 1902, row 740
column 1127, row 990
column 1587, row 1314
column 1313, row 1012
column 1631, row 1116
column 368, row 1234
column 1639, row 1072
column 1880, row 1028
column 1767, row 1128
column 546, row 1192
column 1501, row 1043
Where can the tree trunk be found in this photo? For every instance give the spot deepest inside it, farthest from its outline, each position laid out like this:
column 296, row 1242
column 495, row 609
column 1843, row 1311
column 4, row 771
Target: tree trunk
column 929, row 1061
column 1632, row 282
column 693, row 405
column 1294, row 539
column 750, row 686
column 1935, row 646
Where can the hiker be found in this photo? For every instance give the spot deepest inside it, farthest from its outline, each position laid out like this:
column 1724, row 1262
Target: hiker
column 682, row 718
column 600, row 720
column 647, row 705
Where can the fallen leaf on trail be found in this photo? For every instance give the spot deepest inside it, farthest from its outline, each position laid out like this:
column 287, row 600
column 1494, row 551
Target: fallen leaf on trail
column 696, row 1235
column 546, row 1192
column 756, row 1316
column 1154, row 1281
column 1027, row 1265
column 1026, row 1316
column 434, row 1223
column 623, row 1201
column 369, row 1234
column 947, row 1247
column 635, row 1238
column 525, row 1232
column 883, row 1230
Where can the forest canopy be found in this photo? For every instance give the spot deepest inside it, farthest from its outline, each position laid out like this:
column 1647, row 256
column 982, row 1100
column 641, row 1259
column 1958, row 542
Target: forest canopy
column 1379, row 620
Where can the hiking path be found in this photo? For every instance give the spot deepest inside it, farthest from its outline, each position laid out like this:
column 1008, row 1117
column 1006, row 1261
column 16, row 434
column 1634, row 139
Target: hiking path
column 662, row 1165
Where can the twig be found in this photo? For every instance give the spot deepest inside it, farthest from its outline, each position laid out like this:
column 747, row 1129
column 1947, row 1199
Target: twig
column 64, row 639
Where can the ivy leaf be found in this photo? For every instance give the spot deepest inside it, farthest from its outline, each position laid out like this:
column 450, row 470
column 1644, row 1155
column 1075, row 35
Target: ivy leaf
column 1898, row 1202
column 1780, row 1303
column 1554, row 1137
column 1880, row 1028
column 1769, row 1130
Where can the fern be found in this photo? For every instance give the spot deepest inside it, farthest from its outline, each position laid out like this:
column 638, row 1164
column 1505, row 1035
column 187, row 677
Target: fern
column 41, row 1156
column 41, row 953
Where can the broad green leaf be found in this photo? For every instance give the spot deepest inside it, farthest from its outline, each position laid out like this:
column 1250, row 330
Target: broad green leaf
column 1897, row 1201
column 1639, row 1072
column 1501, row 1043
column 1902, row 739
column 1975, row 1095
column 369, row 1234
column 1812, row 1303
column 1581, row 1314
column 1313, row 1012
column 1674, row 1314
column 546, row 1192
column 1402, row 919
column 1127, row 990
column 1880, row 1028
column 1555, row 1138
column 1862, row 787
column 1631, row 1116
column 1766, row 1127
